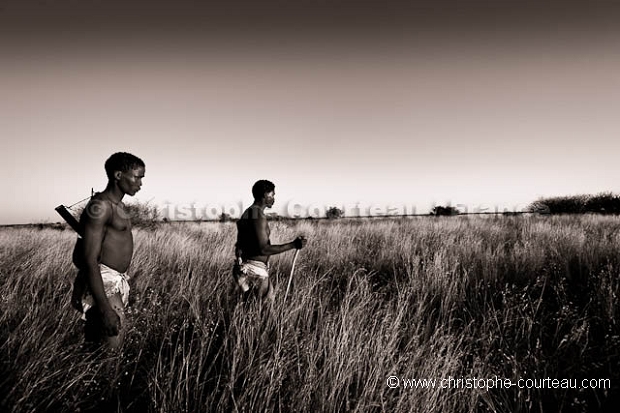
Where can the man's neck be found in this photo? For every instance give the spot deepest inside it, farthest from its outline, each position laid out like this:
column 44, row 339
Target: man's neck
column 260, row 205
column 113, row 193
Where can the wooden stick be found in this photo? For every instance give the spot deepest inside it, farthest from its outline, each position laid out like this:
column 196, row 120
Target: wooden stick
column 290, row 277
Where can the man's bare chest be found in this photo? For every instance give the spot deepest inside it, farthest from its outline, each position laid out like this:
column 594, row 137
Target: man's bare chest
column 120, row 220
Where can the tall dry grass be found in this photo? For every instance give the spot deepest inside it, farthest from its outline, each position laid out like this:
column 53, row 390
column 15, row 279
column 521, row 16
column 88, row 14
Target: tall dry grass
column 514, row 297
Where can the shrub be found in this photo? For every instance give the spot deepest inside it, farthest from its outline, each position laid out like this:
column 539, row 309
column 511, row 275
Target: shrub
column 444, row 211
column 605, row 202
column 334, row 212
column 143, row 214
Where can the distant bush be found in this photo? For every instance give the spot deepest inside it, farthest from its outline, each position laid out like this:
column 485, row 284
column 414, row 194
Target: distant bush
column 273, row 216
column 143, row 214
column 444, row 211
column 334, row 213
column 58, row 226
column 603, row 203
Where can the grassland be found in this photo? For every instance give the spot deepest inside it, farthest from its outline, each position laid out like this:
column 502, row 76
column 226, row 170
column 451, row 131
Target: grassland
column 513, row 297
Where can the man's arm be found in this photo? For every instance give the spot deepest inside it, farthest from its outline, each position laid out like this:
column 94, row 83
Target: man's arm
column 98, row 213
column 260, row 226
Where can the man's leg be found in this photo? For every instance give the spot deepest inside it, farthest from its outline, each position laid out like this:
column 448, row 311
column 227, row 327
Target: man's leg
column 265, row 290
column 93, row 329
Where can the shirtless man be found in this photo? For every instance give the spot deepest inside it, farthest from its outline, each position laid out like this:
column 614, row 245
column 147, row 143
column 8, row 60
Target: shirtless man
column 253, row 246
column 101, row 290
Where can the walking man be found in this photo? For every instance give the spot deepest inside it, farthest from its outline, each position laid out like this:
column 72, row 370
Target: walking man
column 253, row 247
column 101, row 290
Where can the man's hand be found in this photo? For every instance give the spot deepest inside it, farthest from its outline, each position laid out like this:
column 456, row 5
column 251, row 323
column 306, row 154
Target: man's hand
column 300, row 242
column 111, row 322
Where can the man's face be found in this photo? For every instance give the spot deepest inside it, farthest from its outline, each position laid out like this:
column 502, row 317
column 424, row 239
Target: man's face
column 130, row 182
column 270, row 198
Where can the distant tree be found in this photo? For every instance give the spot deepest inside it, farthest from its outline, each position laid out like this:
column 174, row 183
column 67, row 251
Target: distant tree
column 538, row 207
column 561, row 204
column 224, row 217
column 334, row 212
column 602, row 203
column 444, row 211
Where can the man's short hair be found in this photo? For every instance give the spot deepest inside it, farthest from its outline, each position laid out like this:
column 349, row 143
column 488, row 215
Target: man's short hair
column 260, row 188
column 122, row 161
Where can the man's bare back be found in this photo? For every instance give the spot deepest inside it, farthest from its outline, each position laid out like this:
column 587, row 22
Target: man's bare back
column 251, row 223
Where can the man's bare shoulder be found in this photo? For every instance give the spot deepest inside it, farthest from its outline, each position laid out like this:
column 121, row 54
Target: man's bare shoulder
column 97, row 209
column 253, row 213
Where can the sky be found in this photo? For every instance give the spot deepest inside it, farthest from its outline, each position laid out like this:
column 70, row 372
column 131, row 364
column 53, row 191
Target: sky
column 382, row 107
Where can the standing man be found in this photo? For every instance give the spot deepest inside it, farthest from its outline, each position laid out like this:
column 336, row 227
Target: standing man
column 101, row 290
column 253, row 247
